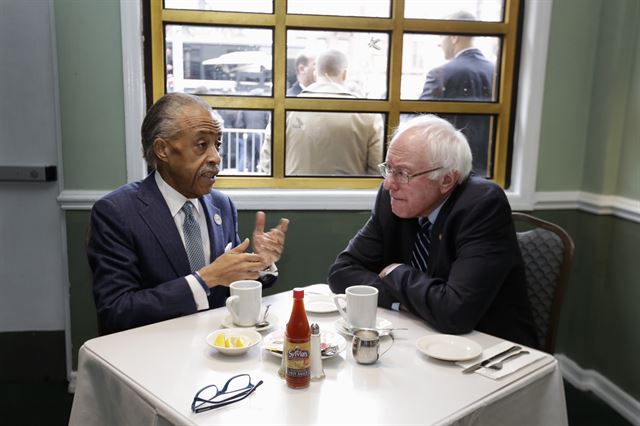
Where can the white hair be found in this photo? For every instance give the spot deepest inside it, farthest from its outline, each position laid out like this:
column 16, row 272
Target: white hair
column 446, row 146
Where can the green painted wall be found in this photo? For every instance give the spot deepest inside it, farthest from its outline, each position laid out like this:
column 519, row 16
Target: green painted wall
column 84, row 324
column 600, row 309
column 313, row 241
column 629, row 176
column 589, row 137
column 613, row 77
column 567, row 94
column 91, row 95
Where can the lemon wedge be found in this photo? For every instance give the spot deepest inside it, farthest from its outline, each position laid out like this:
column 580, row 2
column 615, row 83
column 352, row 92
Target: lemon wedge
column 235, row 342
column 219, row 340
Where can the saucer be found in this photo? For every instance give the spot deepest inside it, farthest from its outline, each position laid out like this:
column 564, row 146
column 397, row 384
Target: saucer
column 273, row 342
column 227, row 322
column 448, row 347
column 319, row 303
column 342, row 327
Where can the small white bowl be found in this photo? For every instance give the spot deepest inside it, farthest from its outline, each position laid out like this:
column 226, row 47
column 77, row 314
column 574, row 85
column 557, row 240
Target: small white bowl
column 251, row 338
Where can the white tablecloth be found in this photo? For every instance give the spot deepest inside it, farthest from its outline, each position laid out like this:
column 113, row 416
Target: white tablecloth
column 149, row 375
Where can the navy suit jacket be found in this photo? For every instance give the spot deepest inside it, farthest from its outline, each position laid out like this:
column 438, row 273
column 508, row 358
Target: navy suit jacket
column 467, row 77
column 139, row 262
column 476, row 275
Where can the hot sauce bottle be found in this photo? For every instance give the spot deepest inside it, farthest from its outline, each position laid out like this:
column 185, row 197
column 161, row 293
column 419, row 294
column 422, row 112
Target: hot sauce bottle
column 297, row 344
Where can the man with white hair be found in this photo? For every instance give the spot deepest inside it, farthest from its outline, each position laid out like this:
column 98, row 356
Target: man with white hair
column 440, row 242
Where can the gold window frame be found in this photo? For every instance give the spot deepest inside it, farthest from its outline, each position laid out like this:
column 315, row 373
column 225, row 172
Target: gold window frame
column 396, row 26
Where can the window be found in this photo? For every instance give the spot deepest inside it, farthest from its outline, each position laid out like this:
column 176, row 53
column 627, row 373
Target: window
column 248, row 59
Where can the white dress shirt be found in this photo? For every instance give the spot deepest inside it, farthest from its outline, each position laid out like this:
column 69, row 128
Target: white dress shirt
column 175, row 201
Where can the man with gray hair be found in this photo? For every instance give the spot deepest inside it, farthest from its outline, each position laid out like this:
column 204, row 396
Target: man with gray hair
column 440, row 242
column 168, row 245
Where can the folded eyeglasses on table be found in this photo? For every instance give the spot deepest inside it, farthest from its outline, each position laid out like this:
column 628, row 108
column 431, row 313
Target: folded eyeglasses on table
column 236, row 389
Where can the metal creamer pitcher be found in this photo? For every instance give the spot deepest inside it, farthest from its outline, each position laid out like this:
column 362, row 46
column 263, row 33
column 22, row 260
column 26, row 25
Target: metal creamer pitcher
column 365, row 346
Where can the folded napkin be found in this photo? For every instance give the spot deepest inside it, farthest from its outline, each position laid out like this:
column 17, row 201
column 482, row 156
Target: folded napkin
column 511, row 366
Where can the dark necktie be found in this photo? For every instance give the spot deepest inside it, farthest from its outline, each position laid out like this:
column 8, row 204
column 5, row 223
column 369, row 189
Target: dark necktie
column 192, row 238
column 420, row 253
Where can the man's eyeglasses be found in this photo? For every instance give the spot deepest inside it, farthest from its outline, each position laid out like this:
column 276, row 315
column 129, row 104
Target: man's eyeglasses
column 236, row 389
column 401, row 176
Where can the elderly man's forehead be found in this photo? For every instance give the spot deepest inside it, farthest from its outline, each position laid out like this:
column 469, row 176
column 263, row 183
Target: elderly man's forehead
column 409, row 145
column 200, row 119
column 411, row 137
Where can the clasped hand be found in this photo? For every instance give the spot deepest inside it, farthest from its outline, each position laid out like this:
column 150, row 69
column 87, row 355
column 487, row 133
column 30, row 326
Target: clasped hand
column 237, row 264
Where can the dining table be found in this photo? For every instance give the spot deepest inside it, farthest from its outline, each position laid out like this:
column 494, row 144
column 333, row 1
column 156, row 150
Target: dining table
column 149, row 376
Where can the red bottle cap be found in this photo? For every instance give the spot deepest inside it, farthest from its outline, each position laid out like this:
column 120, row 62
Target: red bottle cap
column 298, row 293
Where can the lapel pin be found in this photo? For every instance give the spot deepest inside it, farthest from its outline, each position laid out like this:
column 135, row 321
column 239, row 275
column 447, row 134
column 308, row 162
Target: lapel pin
column 440, row 237
column 217, row 219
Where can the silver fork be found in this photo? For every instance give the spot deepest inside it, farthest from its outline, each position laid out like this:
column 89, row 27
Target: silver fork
column 498, row 365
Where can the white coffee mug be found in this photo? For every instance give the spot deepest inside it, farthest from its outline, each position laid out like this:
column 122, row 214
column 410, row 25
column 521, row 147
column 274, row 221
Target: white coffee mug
column 245, row 302
column 361, row 304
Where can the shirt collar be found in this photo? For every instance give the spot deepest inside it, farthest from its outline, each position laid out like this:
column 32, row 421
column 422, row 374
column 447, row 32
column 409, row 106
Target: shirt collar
column 174, row 199
column 434, row 214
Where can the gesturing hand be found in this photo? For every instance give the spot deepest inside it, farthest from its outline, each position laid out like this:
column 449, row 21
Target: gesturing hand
column 270, row 244
column 232, row 266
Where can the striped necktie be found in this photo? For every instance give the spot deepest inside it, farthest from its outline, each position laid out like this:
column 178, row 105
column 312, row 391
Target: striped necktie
column 192, row 238
column 420, row 253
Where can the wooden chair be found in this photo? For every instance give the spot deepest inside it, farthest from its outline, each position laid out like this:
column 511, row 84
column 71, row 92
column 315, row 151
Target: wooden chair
column 547, row 251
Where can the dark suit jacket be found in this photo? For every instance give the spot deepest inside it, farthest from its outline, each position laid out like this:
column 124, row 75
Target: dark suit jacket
column 295, row 89
column 138, row 259
column 467, row 77
column 476, row 275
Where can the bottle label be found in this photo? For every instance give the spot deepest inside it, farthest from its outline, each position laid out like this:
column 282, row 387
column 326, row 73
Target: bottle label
column 298, row 359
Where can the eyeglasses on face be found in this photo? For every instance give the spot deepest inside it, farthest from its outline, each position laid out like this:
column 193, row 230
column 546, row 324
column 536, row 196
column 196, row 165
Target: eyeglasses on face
column 401, row 176
column 236, row 389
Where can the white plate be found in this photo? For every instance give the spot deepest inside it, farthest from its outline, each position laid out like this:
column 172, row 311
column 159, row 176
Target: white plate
column 227, row 322
column 273, row 342
column 448, row 347
column 341, row 326
column 319, row 303
column 250, row 336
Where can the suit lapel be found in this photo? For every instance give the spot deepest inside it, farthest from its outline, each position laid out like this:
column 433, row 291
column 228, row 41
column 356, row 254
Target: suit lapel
column 409, row 232
column 437, row 232
column 155, row 213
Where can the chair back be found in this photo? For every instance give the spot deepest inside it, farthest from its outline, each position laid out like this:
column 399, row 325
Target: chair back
column 547, row 252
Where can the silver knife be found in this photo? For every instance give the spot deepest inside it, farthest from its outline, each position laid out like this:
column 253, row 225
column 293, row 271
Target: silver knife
column 480, row 364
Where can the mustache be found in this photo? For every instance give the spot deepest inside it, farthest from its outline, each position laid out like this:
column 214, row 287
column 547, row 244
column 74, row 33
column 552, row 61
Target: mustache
column 213, row 170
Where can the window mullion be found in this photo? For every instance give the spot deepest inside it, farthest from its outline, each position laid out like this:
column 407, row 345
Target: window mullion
column 507, row 67
column 279, row 85
column 395, row 69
